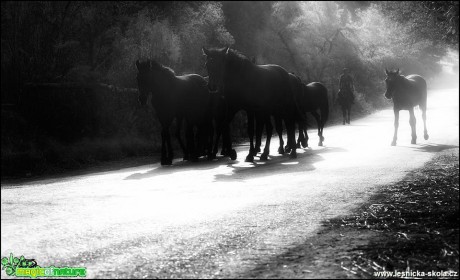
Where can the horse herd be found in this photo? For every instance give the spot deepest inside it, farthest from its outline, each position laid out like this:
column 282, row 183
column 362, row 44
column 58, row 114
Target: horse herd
column 207, row 105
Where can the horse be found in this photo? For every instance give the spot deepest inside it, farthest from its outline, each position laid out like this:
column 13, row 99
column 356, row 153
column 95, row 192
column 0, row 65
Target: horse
column 260, row 89
column 219, row 114
column 314, row 98
column 176, row 97
column 345, row 99
column 407, row 92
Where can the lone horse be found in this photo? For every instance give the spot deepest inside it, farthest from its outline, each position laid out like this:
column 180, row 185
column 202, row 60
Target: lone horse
column 406, row 92
column 177, row 97
column 314, row 99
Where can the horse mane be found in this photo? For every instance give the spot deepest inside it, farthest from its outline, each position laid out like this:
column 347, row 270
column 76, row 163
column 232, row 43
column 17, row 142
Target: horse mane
column 163, row 69
column 235, row 57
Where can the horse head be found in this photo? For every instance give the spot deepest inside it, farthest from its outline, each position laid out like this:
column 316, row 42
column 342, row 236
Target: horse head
column 215, row 65
column 392, row 80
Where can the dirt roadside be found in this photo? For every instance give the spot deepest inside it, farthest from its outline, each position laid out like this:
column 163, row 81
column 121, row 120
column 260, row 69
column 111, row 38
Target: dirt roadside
column 409, row 226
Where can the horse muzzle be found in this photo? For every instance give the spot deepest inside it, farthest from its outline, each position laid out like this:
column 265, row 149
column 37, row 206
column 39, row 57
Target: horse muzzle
column 212, row 87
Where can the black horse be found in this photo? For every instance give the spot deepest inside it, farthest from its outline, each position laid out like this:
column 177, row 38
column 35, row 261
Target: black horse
column 314, row 98
column 221, row 127
column 261, row 89
column 406, row 92
column 345, row 100
column 177, row 97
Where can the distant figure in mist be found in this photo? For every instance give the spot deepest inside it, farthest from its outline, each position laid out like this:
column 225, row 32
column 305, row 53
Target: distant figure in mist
column 346, row 96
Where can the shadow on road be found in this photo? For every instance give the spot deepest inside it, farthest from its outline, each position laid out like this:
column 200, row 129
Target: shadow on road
column 179, row 166
column 277, row 164
column 434, row 148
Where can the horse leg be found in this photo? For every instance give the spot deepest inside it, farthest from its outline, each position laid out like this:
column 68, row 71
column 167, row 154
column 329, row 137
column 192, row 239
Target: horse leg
column 250, row 156
column 413, row 124
column 396, row 124
column 344, row 114
column 216, row 142
column 290, row 126
column 301, row 137
column 170, row 149
column 191, row 142
column 269, row 130
column 164, row 159
column 279, row 130
column 425, row 131
column 181, row 143
column 320, row 127
column 348, row 113
column 227, row 139
column 259, row 128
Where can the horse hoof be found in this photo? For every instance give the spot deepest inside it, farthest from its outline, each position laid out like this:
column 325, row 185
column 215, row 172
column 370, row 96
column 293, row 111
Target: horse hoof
column 264, row 156
column 232, row 154
column 298, row 146
column 393, row 143
column 257, row 150
column 426, row 136
column 320, row 144
column 304, row 144
column 293, row 155
column 343, row 122
column 413, row 141
column 249, row 158
column 287, row 149
column 281, row 151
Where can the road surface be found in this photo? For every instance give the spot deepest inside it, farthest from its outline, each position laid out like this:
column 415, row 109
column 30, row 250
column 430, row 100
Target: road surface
column 215, row 219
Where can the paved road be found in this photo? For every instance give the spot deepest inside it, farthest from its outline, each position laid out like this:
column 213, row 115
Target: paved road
column 215, row 219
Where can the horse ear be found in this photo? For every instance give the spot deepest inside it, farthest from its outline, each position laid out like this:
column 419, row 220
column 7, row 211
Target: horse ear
column 226, row 50
column 137, row 64
column 205, row 51
column 386, row 72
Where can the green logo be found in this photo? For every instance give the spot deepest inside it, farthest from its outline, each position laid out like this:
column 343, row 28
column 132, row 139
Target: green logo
column 22, row 267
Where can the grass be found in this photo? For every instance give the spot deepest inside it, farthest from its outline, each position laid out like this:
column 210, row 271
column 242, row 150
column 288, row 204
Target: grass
column 417, row 220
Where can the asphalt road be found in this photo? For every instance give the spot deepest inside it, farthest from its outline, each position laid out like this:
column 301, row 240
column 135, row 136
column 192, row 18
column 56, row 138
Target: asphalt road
column 215, row 219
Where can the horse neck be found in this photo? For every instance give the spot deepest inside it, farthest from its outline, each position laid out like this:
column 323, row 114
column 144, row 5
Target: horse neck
column 404, row 82
column 238, row 71
column 163, row 88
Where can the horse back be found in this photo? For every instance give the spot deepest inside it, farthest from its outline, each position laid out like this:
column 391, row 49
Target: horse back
column 315, row 97
column 417, row 81
column 193, row 97
column 415, row 93
column 266, row 87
